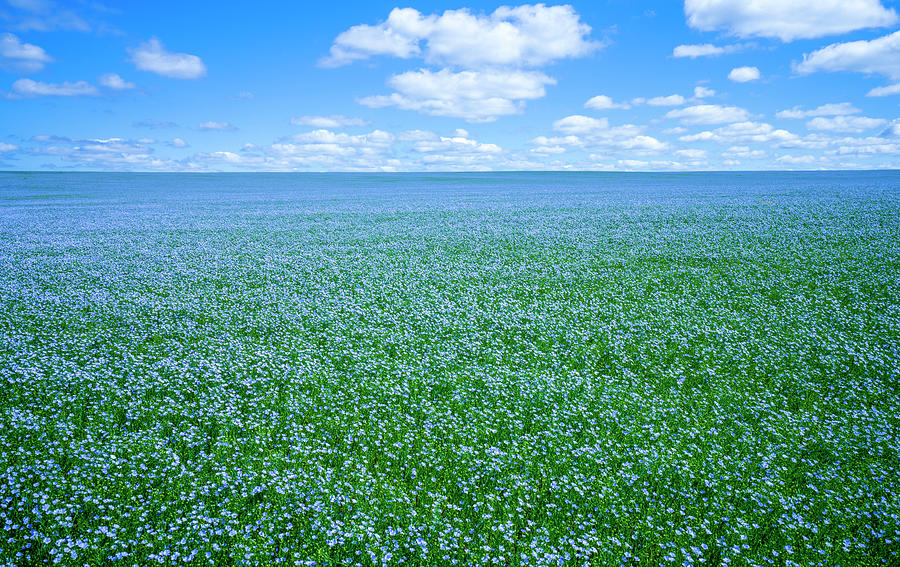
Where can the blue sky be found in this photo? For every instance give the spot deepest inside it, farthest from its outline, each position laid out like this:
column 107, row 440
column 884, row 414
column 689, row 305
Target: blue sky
column 381, row 86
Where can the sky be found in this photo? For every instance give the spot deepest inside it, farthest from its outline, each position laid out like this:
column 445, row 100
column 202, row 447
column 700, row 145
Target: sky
column 433, row 86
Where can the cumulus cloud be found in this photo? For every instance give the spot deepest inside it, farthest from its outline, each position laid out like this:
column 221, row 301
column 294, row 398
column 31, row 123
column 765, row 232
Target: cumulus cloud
column 848, row 124
column 885, row 91
column 178, row 143
column 578, row 124
column 115, row 82
column 476, row 96
column 333, row 121
column 743, row 152
column 522, row 36
column 709, row 114
column 703, row 92
column 831, row 109
column 704, row 50
column 744, row 74
column 27, row 88
column 603, row 102
column 21, row 57
column 671, row 100
column 787, row 20
column 691, row 154
column 757, row 132
column 108, row 153
column 221, row 126
column 880, row 56
column 4, row 147
column 152, row 56
column 795, row 160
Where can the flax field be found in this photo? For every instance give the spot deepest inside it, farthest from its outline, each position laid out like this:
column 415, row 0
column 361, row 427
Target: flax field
column 525, row 369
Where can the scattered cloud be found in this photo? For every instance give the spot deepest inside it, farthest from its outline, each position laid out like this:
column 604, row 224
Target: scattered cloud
column 109, row 153
column 178, row 143
column 333, row 121
column 44, row 16
column 152, row 56
column 832, row 109
column 603, row 102
column 671, row 100
column 756, row 132
column 704, row 50
column 522, row 36
column 885, row 91
column 220, row 126
column 21, row 57
column 475, row 96
column 878, row 56
column 703, row 92
column 743, row 152
column 579, row 124
column 154, row 124
column 796, row 160
column 709, row 114
column 691, row 154
column 27, row 88
column 848, row 124
column 115, row 82
column 4, row 147
column 893, row 130
column 744, row 74
column 787, row 20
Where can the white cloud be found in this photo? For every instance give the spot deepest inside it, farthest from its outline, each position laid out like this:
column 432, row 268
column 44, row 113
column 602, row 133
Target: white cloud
column 109, row 153
column 27, row 88
column 4, row 147
column 643, row 143
column 476, row 96
column 881, row 56
column 21, row 57
column 456, row 144
column 756, row 132
column 744, row 74
column 178, row 143
column 703, row 92
column 787, row 20
column 549, row 150
column 743, row 152
column 44, row 15
column 522, row 36
column 885, row 91
column 671, row 100
column 831, row 109
column 333, row 121
column 704, row 50
column 603, row 102
column 221, row 126
column 709, row 114
column 796, row 160
column 578, row 124
column 692, row 154
column 892, row 130
column 152, row 56
column 849, row 124
column 115, row 82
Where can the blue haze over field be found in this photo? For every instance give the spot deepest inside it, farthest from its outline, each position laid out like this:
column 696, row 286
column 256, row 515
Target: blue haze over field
column 425, row 86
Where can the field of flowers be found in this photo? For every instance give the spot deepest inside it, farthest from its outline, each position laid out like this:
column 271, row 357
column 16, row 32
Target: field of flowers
column 497, row 369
